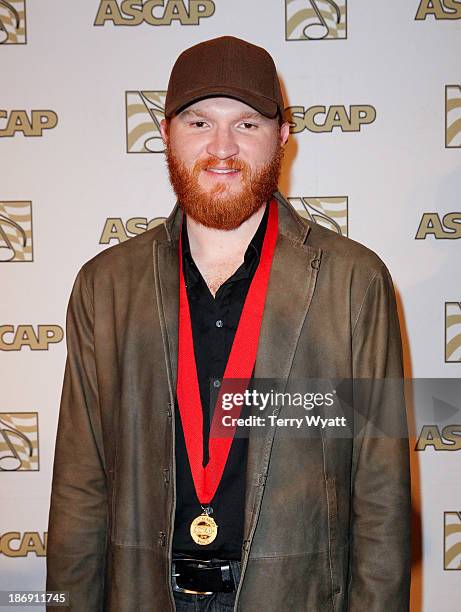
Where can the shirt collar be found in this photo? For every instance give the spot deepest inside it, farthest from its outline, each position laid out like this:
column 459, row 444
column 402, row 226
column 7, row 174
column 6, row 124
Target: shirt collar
column 253, row 250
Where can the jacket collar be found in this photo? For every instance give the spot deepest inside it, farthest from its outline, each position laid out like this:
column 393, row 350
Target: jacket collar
column 290, row 223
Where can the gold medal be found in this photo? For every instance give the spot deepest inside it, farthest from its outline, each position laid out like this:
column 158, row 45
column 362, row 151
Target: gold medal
column 203, row 529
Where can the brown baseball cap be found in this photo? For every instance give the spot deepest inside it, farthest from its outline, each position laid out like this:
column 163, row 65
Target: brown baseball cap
column 229, row 67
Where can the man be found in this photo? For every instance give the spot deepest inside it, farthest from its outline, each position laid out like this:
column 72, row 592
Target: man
column 151, row 510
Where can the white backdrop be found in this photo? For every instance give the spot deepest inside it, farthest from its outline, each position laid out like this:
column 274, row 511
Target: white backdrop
column 71, row 176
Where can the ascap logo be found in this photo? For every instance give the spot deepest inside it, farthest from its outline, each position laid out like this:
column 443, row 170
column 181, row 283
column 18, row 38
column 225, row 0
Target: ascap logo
column 144, row 111
column 447, row 439
column 453, row 116
column 315, row 19
column 440, row 9
column 18, row 441
column 116, row 229
column 452, row 540
column 16, row 231
column 452, row 332
column 15, row 121
column 12, row 22
column 17, row 544
column 323, row 119
column 447, row 228
column 330, row 212
column 153, row 12
column 15, row 338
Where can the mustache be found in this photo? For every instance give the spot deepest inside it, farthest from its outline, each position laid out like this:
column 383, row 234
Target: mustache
column 234, row 163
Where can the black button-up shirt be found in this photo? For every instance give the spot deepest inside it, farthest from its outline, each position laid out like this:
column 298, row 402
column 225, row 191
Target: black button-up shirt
column 214, row 323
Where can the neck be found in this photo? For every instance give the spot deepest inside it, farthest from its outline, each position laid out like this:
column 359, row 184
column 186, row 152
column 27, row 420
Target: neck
column 207, row 243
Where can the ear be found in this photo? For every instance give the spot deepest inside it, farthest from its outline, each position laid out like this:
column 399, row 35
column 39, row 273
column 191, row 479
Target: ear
column 164, row 130
column 284, row 133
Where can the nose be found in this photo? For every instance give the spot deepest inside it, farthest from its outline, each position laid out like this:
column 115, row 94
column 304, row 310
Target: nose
column 222, row 144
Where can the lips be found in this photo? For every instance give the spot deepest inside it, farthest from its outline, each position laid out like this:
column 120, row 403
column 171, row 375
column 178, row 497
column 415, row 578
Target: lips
column 223, row 170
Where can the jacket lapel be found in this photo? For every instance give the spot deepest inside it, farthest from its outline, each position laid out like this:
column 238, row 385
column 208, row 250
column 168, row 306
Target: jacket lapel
column 291, row 286
column 166, row 281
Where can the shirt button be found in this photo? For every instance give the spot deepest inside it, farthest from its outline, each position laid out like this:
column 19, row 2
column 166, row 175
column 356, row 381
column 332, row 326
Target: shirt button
column 216, row 383
column 219, row 323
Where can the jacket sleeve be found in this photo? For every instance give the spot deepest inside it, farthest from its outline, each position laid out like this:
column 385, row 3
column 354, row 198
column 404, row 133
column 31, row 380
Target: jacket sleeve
column 379, row 576
column 77, row 527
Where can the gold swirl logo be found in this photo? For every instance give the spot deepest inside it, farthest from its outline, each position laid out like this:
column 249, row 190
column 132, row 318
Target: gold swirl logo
column 315, row 19
column 144, row 111
column 18, row 441
column 453, row 116
column 16, row 231
column 12, row 22
column 452, row 332
column 452, row 541
column 330, row 212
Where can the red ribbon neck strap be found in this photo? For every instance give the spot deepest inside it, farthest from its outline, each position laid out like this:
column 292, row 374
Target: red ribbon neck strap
column 239, row 366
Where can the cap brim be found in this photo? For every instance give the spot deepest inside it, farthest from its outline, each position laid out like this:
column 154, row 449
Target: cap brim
column 263, row 105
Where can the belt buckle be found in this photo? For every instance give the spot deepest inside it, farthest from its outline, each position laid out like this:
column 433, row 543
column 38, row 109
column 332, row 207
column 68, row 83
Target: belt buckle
column 179, row 589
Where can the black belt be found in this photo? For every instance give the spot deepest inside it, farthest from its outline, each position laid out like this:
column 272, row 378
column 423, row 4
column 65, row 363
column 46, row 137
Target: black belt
column 202, row 577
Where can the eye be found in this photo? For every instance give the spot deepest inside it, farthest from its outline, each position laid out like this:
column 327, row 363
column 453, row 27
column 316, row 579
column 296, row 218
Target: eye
column 198, row 124
column 248, row 126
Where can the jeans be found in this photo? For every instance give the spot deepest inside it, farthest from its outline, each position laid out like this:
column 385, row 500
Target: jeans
column 217, row 602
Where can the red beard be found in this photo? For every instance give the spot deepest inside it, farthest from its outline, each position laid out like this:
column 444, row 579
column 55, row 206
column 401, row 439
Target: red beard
column 219, row 209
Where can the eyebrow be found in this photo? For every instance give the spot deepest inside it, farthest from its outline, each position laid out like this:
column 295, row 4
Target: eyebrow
column 188, row 113
column 251, row 115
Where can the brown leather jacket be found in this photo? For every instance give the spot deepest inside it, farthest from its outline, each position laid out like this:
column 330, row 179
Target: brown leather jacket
column 327, row 520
